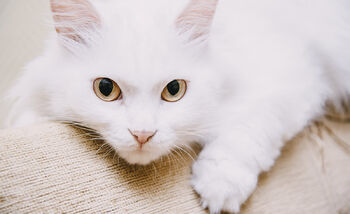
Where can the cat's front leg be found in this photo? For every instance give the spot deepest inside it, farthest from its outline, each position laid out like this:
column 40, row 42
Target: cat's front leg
column 222, row 182
column 225, row 176
column 227, row 169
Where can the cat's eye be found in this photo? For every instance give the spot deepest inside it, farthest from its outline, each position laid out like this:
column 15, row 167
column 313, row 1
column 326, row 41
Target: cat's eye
column 174, row 91
column 106, row 89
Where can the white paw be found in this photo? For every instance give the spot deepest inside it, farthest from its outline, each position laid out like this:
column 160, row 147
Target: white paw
column 222, row 185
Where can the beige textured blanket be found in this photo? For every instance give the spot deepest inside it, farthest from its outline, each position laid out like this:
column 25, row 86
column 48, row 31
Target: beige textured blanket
column 53, row 168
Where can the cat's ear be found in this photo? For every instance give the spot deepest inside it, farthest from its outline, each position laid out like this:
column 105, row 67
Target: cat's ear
column 195, row 21
column 74, row 19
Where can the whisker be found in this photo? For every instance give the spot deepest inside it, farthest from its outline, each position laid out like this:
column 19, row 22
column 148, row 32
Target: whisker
column 178, row 154
column 184, row 150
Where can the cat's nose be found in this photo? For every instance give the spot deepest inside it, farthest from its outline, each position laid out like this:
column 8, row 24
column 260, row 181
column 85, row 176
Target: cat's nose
column 142, row 137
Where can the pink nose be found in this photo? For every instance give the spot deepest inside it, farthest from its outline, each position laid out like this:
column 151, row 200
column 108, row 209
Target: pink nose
column 142, row 137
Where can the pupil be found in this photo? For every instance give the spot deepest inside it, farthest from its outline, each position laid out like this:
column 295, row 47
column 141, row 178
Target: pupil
column 106, row 86
column 173, row 87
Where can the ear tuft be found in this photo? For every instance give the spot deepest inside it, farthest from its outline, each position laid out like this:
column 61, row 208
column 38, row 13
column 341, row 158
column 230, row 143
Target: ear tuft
column 196, row 19
column 73, row 18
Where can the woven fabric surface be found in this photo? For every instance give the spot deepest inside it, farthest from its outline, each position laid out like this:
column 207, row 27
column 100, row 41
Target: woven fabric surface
column 54, row 168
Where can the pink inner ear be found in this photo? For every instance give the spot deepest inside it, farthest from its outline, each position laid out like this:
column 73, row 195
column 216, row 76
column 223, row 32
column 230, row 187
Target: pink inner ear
column 197, row 17
column 71, row 16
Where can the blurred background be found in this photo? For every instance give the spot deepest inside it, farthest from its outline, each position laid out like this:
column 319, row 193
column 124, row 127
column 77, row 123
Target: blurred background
column 24, row 26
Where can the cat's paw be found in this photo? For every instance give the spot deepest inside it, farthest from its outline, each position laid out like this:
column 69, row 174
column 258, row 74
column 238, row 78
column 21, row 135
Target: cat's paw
column 221, row 185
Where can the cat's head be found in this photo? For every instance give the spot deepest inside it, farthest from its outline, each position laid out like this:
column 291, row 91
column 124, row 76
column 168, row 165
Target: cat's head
column 139, row 73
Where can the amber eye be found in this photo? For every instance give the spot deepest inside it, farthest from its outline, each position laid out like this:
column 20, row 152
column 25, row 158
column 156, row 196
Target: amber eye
column 174, row 91
column 106, row 89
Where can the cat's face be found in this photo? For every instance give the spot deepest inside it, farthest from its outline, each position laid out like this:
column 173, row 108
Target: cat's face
column 143, row 91
column 140, row 100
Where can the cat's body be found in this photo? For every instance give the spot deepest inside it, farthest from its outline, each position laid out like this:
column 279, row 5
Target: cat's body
column 257, row 73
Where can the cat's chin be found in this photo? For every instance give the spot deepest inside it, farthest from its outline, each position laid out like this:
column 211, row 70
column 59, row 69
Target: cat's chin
column 139, row 156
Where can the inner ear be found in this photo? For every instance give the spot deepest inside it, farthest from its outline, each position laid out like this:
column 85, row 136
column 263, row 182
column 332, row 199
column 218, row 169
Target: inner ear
column 73, row 18
column 197, row 18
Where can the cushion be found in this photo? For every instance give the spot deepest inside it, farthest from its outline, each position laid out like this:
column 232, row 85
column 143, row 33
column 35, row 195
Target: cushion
column 55, row 168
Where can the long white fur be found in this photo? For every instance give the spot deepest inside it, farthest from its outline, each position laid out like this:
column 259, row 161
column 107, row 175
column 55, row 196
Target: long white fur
column 266, row 70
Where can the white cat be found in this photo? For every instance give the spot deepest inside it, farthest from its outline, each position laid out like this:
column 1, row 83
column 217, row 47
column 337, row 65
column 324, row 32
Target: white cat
column 241, row 77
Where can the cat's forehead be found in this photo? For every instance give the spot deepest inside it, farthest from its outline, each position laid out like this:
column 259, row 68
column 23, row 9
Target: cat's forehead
column 141, row 61
column 140, row 69
column 140, row 47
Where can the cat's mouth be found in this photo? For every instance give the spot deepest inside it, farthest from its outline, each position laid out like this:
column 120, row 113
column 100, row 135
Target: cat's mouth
column 135, row 150
column 140, row 156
